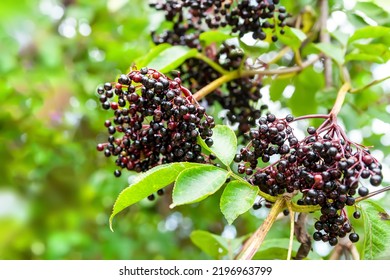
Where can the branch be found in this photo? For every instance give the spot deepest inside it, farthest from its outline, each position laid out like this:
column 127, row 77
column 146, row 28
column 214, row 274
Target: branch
column 254, row 242
column 325, row 38
column 385, row 189
column 373, row 83
column 249, row 73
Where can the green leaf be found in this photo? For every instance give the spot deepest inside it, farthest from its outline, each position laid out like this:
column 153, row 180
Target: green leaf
column 171, row 58
column 379, row 53
column 364, row 57
column 334, row 52
column 293, row 38
column 341, row 37
column 152, row 54
column 214, row 245
column 277, row 248
column 214, row 36
column 225, row 144
column 376, row 231
column 277, row 87
column 307, row 83
column 195, row 184
column 237, row 198
column 256, row 49
column 148, row 183
column 370, row 32
column 374, row 11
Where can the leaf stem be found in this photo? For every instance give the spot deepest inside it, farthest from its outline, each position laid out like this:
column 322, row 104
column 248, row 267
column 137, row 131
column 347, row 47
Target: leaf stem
column 254, row 242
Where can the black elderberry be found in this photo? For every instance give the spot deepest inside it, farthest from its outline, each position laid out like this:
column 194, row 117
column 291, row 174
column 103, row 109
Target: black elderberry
column 357, row 214
column 117, row 173
column 354, row 237
column 376, row 180
column 363, row 191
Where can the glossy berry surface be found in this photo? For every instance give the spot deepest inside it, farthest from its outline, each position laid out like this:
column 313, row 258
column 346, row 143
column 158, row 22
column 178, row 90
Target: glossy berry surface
column 155, row 120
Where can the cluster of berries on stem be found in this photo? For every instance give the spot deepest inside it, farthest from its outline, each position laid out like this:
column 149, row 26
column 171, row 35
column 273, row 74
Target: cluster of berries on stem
column 157, row 119
column 190, row 17
column 325, row 168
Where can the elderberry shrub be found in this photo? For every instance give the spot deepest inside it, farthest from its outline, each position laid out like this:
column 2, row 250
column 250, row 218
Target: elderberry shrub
column 325, row 168
column 155, row 121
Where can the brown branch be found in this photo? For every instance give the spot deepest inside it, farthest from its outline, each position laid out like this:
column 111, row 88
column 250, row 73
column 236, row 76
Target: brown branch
column 249, row 73
column 325, row 38
column 302, row 236
column 254, row 242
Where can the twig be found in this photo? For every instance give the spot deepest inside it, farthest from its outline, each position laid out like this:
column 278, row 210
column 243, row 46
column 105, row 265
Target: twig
column 302, row 236
column 373, row 83
column 385, row 189
column 325, row 38
column 292, row 227
column 254, row 242
column 249, row 73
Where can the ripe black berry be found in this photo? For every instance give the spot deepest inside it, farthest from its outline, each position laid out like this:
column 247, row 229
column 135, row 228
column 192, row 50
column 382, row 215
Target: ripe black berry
column 354, row 237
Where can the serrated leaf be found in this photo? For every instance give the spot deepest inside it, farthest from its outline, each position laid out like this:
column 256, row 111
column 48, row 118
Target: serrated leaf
column 376, row 232
column 195, row 184
column 237, row 198
column 334, row 52
column 225, row 144
column 148, row 183
column 370, row 32
column 171, row 58
column 214, row 36
column 214, row 245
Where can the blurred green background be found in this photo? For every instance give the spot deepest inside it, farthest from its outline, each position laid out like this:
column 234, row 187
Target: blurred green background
column 56, row 190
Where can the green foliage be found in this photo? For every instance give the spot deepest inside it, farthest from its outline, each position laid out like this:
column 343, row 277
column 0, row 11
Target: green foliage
column 150, row 182
column 216, row 246
column 376, row 231
column 197, row 183
column 237, row 198
column 171, row 58
column 225, row 144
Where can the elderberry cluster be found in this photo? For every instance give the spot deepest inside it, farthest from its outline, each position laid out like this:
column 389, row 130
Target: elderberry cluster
column 325, row 168
column 155, row 121
column 244, row 17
